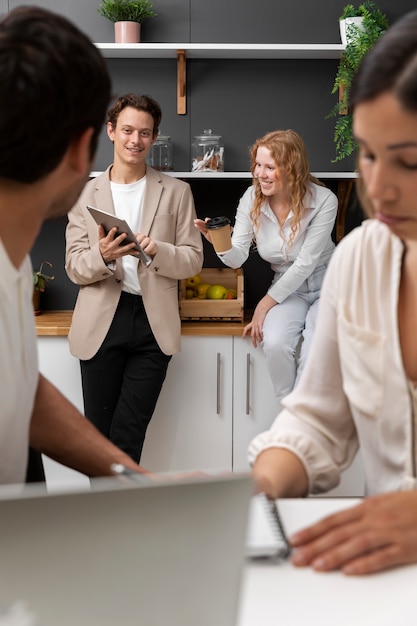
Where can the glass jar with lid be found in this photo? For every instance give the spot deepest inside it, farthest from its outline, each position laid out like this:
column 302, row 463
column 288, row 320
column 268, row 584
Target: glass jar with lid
column 161, row 154
column 207, row 153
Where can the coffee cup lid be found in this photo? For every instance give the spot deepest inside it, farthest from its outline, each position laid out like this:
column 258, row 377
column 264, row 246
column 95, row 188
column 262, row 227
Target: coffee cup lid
column 218, row 222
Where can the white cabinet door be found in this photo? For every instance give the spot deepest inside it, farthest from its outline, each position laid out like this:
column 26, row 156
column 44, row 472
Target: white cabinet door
column 254, row 404
column 192, row 424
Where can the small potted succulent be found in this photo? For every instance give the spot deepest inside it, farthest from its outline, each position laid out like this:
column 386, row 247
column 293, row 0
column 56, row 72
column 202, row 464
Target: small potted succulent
column 40, row 281
column 360, row 38
column 127, row 16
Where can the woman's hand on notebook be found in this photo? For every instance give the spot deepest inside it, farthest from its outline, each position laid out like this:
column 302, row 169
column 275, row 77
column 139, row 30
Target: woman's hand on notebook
column 377, row 534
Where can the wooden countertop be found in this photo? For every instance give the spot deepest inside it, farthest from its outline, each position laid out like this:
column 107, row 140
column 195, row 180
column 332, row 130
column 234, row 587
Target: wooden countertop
column 57, row 323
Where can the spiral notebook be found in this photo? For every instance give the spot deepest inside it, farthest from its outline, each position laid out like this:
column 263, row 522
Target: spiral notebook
column 266, row 536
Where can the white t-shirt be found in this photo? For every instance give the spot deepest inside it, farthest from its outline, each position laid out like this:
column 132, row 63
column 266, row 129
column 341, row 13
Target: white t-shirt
column 127, row 201
column 18, row 366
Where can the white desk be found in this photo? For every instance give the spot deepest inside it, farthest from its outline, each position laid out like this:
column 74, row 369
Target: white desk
column 279, row 594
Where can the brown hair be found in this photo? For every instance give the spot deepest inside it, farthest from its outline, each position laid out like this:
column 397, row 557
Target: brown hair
column 140, row 103
column 54, row 84
column 290, row 155
column 390, row 66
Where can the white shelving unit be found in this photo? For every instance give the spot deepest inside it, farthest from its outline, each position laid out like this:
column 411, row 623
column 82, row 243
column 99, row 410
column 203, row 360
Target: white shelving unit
column 247, row 175
column 221, row 51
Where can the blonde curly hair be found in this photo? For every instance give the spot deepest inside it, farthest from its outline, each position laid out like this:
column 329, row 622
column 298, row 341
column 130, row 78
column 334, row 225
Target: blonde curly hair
column 290, row 155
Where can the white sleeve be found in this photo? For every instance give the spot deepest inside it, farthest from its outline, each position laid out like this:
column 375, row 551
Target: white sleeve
column 242, row 235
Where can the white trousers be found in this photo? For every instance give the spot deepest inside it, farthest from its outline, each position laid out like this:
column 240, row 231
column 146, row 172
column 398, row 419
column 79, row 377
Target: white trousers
column 287, row 333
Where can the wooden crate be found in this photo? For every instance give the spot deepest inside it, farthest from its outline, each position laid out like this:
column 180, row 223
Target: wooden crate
column 218, row 310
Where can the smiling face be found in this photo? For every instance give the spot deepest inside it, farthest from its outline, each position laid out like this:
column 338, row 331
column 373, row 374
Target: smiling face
column 387, row 138
column 133, row 137
column 270, row 178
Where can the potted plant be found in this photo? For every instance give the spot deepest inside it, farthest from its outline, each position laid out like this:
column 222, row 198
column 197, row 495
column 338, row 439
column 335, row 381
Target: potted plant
column 360, row 38
column 127, row 16
column 40, row 281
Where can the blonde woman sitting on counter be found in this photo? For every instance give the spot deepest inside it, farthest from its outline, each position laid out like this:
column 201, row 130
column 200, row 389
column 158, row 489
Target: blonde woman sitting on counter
column 290, row 215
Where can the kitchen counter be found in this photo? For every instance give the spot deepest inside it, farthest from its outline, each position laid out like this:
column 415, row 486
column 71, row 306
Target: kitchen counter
column 57, row 323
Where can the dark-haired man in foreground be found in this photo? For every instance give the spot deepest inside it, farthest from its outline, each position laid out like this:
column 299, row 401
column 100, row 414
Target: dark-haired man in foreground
column 55, row 91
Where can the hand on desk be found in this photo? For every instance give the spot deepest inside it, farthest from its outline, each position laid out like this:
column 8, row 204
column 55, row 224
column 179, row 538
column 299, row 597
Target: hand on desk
column 377, row 534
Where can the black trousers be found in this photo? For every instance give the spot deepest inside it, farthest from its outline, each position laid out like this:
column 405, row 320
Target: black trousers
column 122, row 382
column 35, row 472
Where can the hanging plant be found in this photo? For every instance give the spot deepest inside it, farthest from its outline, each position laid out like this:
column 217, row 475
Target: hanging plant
column 360, row 40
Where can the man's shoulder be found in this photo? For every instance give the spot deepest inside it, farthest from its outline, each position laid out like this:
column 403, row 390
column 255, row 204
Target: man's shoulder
column 167, row 180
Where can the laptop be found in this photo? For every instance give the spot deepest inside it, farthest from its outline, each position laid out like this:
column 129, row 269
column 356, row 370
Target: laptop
column 122, row 554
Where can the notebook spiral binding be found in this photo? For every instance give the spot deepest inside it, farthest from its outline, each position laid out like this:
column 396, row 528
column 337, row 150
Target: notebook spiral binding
column 276, row 523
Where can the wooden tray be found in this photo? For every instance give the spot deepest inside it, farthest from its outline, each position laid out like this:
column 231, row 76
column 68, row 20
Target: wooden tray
column 218, row 310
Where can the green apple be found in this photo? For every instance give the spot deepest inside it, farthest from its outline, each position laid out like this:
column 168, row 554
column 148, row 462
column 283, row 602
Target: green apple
column 201, row 290
column 189, row 293
column 216, row 292
column 193, row 281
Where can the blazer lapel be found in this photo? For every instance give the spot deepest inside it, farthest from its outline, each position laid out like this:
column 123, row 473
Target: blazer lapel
column 102, row 193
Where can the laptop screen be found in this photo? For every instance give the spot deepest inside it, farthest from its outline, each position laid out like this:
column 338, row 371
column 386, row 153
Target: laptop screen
column 170, row 552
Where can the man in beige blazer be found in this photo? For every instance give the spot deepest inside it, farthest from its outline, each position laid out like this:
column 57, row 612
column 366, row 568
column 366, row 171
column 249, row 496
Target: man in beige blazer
column 126, row 322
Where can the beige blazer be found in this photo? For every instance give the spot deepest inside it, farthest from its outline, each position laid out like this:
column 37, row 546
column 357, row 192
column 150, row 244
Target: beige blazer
column 168, row 215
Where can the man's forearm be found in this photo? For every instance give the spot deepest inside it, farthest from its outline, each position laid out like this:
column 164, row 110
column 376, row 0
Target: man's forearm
column 61, row 432
column 280, row 474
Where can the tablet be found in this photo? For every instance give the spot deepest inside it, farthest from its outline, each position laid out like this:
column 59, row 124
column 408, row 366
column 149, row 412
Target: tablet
column 109, row 221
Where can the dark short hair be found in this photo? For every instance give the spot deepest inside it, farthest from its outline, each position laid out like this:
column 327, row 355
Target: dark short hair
column 391, row 65
column 140, row 103
column 54, row 84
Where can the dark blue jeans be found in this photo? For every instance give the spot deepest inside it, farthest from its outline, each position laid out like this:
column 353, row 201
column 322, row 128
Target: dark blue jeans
column 122, row 382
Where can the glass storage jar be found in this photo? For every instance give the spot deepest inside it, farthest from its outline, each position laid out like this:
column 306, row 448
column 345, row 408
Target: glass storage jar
column 207, row 153
column 161, row 154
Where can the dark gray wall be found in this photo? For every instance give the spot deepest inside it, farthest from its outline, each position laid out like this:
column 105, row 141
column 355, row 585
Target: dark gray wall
column 241, row 100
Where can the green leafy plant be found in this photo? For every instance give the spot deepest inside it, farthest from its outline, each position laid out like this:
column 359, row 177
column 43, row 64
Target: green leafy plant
column 361, row 39
column 126, row 10
column 40, row 279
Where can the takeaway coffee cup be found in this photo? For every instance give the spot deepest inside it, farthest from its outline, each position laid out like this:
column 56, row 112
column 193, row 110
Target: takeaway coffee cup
column 220, row 233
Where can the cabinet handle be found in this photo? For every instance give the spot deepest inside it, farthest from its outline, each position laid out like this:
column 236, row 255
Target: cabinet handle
column 247, row 383
column 218, row 385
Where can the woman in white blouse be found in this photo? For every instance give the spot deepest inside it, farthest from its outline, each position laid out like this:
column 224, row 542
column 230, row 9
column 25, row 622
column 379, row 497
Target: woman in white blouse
column 359, row 387
column 290, row 216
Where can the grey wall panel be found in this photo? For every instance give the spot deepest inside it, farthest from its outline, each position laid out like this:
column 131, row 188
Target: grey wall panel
column 221, row 21
column 82, row 12
column 172, row 23
column 276, row 21
column 242, row 100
